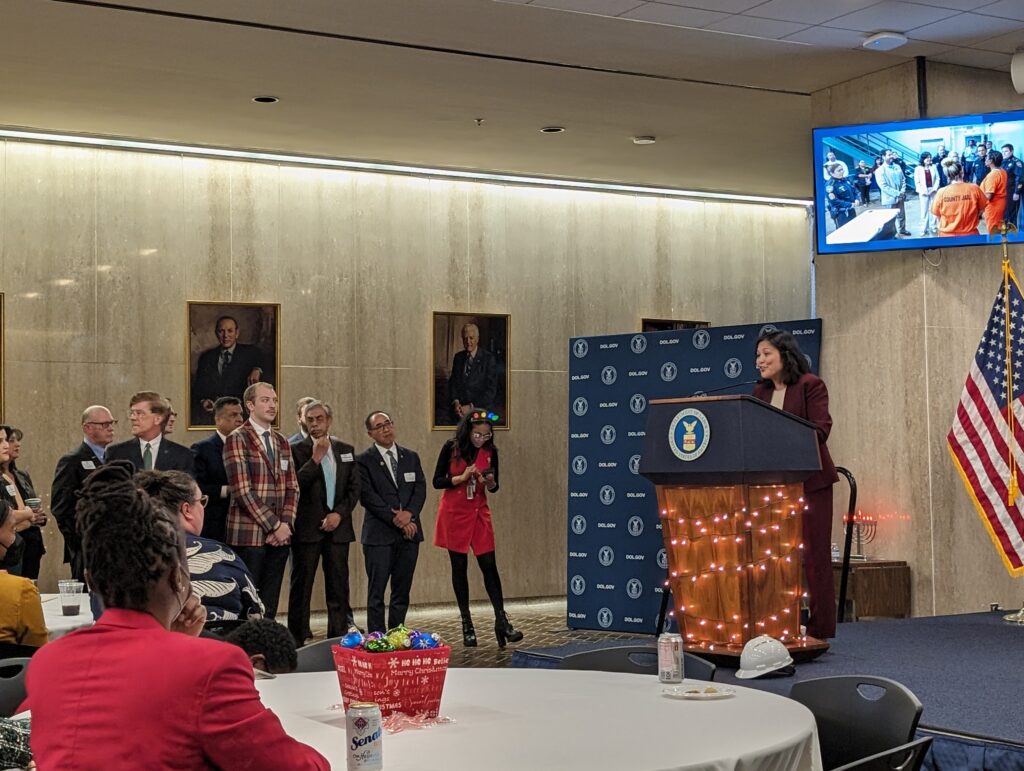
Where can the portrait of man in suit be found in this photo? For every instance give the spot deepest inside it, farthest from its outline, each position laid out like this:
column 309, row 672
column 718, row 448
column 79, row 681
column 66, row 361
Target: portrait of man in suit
column 470, row 366
column 231, row 346
column 328, row 493
column 392, row 490
column 148, row 448
column 211, row 475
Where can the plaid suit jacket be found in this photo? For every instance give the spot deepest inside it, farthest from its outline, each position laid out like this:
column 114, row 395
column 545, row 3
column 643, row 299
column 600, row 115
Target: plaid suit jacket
column 262, row 494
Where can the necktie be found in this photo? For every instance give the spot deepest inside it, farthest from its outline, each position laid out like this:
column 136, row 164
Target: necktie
column 394, row 465
column 269, row 447
column 147, row 457
column 225, row 360
column 330, row 479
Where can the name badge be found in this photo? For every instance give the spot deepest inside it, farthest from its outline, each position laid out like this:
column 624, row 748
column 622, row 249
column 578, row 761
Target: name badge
column 346, row 457
column 13, row 491
column 284, row 464
column 410, row 476
column 88, row 464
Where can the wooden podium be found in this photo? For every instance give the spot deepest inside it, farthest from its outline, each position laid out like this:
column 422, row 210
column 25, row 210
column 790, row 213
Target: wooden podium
column 729, row 473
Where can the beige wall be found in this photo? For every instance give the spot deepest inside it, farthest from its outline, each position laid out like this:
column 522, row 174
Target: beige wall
column 358, row 262
column 900, row 332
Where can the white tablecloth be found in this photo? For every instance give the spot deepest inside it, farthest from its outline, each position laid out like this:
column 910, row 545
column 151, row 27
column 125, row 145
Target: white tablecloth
column 57, row 624
column 539, row 719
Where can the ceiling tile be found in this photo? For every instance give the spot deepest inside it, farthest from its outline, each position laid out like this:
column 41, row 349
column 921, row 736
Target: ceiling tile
column 956, row 5
column 964, row 30
column 807, row 11
column 920, row 48
column 1007, row 9
column 827, row 37
column 1007, row 44
column 724, row 6
column 599, row 7
column 972, row 57
column 675, row 15
column 766, row 28
column 891, row 15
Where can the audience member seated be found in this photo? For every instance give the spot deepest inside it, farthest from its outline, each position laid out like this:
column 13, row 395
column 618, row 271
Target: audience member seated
column 220, row 579
column 269, row 645
column 139, row 689
column 21, row 613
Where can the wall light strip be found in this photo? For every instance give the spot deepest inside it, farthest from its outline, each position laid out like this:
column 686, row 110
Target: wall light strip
column 24, row 135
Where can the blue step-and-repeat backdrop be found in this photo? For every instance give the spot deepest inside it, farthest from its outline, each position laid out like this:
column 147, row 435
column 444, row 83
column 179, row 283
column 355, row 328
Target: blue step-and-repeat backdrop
column 616, row 564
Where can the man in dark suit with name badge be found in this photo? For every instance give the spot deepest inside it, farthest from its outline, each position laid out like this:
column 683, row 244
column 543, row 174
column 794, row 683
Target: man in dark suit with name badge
column 72, row 469
column 149, row 449
column 211, row 476
column 328, row 492
column 392, row 491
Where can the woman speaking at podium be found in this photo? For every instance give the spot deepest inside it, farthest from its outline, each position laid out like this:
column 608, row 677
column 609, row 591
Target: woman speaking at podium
column 787, row 383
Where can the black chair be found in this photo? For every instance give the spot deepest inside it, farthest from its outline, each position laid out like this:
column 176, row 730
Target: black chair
column 858, row 716
column 12, row 685
column 636, row 660
column 909, row 757
column 317, row 657
column 15, row 651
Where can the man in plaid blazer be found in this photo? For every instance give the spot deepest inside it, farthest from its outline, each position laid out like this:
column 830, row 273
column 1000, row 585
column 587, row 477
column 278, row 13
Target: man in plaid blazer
column 264, row 494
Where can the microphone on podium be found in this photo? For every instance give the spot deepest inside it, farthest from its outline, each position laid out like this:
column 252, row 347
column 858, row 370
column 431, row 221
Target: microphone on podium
column 726, row 388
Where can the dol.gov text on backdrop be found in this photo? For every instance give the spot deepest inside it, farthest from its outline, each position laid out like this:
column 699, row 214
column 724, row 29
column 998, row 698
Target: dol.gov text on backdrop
column 616, row 563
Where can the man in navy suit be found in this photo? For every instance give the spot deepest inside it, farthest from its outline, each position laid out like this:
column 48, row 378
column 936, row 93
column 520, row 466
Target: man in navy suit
column 149, row 448
column 225, row 370
column 209, row 461
column 392, row 491
column 69, row 477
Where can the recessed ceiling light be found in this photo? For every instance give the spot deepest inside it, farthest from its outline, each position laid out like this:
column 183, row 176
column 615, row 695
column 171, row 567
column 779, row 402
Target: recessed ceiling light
column 644, row 140
column 552, row 130
column 265, row 99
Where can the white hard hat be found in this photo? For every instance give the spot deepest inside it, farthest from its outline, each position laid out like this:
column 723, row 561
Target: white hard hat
column 762, row 655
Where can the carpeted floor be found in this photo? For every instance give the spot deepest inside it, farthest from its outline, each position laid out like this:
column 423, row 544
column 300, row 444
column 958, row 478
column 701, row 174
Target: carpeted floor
column 542, row 622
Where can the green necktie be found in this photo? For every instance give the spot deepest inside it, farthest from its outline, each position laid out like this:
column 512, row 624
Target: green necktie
column 147, row 457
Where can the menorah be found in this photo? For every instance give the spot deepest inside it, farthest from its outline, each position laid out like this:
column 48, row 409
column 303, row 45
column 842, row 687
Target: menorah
column 865, row 528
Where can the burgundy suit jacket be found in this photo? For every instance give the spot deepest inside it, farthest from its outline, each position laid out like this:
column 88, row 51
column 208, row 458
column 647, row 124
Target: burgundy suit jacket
column 263, row 494
column 807, row 398
column 127, row 693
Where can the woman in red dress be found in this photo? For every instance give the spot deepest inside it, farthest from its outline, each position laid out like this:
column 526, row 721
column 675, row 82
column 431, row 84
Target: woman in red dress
column 467, row 469
column 787, row 383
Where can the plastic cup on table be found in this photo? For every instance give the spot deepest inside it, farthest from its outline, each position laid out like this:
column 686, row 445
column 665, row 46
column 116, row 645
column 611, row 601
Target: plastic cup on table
column 70, row 597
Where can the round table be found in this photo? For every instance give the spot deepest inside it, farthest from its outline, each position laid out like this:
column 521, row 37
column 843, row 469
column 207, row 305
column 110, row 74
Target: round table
column 57, row 624
column 521, row 719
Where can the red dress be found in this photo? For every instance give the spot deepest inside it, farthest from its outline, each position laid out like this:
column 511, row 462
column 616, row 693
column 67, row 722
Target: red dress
column 464, row 523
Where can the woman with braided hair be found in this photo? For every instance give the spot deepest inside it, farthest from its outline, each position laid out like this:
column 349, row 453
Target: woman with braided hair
column 139, row 689
column 467, row 469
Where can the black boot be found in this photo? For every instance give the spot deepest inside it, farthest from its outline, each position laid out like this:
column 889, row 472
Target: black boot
column 504, row 630
column 468, row 632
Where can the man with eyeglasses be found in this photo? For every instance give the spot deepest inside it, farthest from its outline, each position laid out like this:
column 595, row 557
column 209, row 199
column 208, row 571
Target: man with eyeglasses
column 72, row 469
column 392, row 491
column 149, row 449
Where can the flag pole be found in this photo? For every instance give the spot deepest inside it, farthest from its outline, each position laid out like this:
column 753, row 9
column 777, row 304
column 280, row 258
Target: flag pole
column 1012, row 487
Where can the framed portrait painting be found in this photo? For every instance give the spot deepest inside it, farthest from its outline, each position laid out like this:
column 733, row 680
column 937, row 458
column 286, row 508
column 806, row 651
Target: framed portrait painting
column 470, row 366
column 230, row 346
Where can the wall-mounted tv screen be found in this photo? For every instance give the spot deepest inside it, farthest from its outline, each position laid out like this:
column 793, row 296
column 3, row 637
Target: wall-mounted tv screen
column 918, row 184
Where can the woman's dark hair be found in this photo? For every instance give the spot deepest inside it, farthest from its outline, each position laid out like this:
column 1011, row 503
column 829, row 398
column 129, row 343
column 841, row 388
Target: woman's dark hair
column 171, row 488
column 463, row 440
column 794, row 364
column 925, row 157
column 5, row 511
column 10, row 431
column 130, row 540
column 274, row 642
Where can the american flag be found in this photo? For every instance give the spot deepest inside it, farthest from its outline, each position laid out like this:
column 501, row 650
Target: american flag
column 978, row 439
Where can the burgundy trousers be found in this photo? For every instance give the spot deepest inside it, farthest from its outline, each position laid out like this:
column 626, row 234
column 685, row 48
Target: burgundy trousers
column 817, row 531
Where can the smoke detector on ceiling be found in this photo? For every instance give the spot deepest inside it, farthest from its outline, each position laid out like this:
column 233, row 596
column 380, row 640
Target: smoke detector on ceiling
column 884, row 41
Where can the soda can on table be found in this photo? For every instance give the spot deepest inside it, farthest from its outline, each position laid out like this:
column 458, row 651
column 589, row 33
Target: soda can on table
column 364, row 732
column 670, row 658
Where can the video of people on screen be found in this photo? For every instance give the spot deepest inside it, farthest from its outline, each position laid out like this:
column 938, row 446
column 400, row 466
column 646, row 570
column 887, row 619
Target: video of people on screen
column 915, row 183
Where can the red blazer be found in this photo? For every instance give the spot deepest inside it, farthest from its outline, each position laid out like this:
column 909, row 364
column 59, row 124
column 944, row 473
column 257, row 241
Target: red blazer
column 126, row 693
column 808, row 398
column 262, row 494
